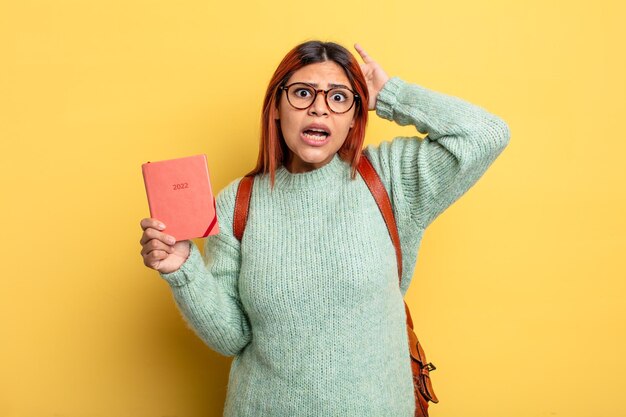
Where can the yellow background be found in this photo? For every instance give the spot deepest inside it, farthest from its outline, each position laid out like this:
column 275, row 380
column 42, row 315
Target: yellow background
column 519, row 289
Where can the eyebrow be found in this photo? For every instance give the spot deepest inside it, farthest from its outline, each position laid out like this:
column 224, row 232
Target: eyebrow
column 330, row 85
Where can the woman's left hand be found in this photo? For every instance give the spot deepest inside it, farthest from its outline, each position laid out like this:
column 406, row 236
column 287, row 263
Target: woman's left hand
column 374, row 74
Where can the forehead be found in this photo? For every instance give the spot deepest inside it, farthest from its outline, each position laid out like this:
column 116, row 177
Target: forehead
column 321, row 73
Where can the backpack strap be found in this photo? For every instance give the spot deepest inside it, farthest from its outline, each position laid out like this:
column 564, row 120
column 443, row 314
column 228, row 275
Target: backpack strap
column 374, row 183
column 420, row 367
column 242, row 206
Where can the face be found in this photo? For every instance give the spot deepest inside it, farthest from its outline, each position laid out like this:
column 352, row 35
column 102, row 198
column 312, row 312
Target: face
column 309, row 148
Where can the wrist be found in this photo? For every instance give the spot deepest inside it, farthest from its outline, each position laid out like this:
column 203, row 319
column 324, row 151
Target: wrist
column 382, row 84
column 386, row 98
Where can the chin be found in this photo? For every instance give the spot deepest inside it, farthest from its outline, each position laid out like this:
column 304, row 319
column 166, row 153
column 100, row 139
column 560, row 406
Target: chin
column 315, row 157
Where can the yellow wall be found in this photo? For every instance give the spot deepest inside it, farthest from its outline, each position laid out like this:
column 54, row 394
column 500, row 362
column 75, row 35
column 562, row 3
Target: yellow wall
column 519, row 289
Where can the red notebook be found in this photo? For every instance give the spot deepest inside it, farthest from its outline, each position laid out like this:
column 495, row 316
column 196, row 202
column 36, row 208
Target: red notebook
column 179, row 194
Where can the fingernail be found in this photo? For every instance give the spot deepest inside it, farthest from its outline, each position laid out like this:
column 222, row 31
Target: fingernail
column 171, row 240
column 161, row 226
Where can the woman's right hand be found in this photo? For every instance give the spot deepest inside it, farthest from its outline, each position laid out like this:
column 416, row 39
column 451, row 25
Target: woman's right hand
column 159, row 250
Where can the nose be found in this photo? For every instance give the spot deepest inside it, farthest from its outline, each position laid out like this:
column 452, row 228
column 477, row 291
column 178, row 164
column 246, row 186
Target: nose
column 319, row 107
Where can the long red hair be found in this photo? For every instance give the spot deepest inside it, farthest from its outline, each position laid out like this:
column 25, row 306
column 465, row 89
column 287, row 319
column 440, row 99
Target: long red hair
column 273, row 150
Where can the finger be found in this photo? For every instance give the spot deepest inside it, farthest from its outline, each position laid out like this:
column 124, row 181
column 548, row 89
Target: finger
column 155, row 245
column 366, row 58
column 153, row 258
column 153, row 223
column 151, row 233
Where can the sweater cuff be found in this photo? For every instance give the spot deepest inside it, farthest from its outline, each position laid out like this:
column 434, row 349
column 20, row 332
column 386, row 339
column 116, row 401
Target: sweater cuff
column 188, row 271
column 388, row 97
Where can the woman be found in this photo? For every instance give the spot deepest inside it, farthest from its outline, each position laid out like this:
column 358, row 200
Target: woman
column 308, row 302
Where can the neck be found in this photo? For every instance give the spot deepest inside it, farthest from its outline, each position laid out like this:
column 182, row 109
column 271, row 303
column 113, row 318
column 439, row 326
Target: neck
column 298, row 166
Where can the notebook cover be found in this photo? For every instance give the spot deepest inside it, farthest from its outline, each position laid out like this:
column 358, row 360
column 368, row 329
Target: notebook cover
column 179, row 194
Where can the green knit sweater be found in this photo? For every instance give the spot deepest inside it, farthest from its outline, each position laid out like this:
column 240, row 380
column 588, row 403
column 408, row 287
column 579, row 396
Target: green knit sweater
column 309, row 303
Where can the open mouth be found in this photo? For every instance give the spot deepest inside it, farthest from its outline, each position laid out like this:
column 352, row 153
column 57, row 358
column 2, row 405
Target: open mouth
column 316, row 134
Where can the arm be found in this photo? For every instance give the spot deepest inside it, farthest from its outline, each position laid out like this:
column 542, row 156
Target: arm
column 427, row 175
column 205, row 290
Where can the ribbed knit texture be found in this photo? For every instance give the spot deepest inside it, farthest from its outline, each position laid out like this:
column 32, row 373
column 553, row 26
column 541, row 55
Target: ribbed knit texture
column 309, row 303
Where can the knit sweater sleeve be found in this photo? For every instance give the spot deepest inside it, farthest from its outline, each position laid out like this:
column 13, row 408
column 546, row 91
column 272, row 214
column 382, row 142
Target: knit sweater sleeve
column 425, row 176
column 205, row 290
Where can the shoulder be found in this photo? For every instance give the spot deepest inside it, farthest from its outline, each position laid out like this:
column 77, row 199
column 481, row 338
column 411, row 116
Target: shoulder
column 226, row 197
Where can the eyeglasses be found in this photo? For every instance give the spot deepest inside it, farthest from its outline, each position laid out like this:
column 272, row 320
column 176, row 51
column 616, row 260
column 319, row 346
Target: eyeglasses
column 302, row 95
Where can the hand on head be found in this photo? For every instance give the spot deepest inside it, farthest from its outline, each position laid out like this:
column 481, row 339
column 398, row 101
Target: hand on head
column 374, row 74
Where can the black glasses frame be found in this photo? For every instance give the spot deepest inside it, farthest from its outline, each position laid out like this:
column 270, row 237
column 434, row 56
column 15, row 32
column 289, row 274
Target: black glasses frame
column 317, row 91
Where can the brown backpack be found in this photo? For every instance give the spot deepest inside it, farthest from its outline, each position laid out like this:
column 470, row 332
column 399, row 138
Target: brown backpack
column 421, row 378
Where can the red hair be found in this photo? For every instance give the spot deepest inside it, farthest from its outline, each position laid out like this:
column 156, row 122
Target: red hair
column 273, row 150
